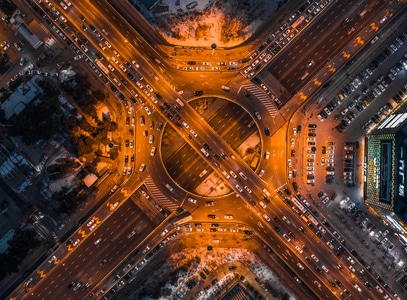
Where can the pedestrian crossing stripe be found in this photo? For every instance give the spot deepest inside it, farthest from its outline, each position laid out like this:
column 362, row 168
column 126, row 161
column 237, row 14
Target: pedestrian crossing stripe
column 265, row 99
column 159, row 196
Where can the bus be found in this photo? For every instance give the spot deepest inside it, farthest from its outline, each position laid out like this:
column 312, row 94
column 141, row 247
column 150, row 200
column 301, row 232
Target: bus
column 298, row 22
column 313, row 220
column 299, row 205
column 102, row 66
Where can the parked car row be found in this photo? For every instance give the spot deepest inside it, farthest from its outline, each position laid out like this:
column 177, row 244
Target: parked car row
column 328, row 161
column 310, row 159
column 398, row 98
column 348, row 157
column 369, row 95
column 375, row 89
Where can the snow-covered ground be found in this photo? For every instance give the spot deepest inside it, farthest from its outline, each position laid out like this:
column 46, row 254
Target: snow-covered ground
column 188, row 262
column 225, row 23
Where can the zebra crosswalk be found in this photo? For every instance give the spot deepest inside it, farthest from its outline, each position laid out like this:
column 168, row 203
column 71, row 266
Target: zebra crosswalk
column 159, row 196
column 263, row 97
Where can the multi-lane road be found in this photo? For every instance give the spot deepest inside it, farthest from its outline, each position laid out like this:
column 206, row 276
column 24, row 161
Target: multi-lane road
column 204, row 142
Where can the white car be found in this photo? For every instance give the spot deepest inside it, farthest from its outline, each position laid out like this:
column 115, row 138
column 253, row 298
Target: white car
column 239, row 188
column 153, row 151
column 164, row 232
column 266, row 217
column 185, row 124
column 226, row 174
column 267, row 155
column 228, row 217
column 63, row 5
column 192, row 200
column 193, row 133
column 149, row 88
column 262, row 204
column 247, row 189
column 142, row 167
column 289, row 163
column 135, row 64
column 52, row 259
column 257, row 115
column 298, row 249
column 233, row 174
column 261, row 173
column 123, row 68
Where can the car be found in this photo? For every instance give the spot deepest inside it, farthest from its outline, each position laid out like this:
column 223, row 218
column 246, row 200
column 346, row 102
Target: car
column 6, row 47
column 257, row 114
column 209, row 203
column 63, row 5
column 18, row 47
column 142, row 167
column 267, row 155
column 289, row 163
column 193, row 133
column 233, row 174
column 192, row 200
column 247, row 189
column 265, row 216
column 164, row 232
column 153, row 151
column 314, row 258
column 243, row 175
column 262, row 204
column 239, row 188
column 52, row 259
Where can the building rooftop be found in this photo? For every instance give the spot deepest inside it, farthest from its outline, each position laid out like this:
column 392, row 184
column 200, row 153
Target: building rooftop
column 23, row 95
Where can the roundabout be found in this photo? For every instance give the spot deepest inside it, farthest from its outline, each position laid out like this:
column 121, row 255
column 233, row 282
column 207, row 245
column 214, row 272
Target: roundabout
column 228, row 119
